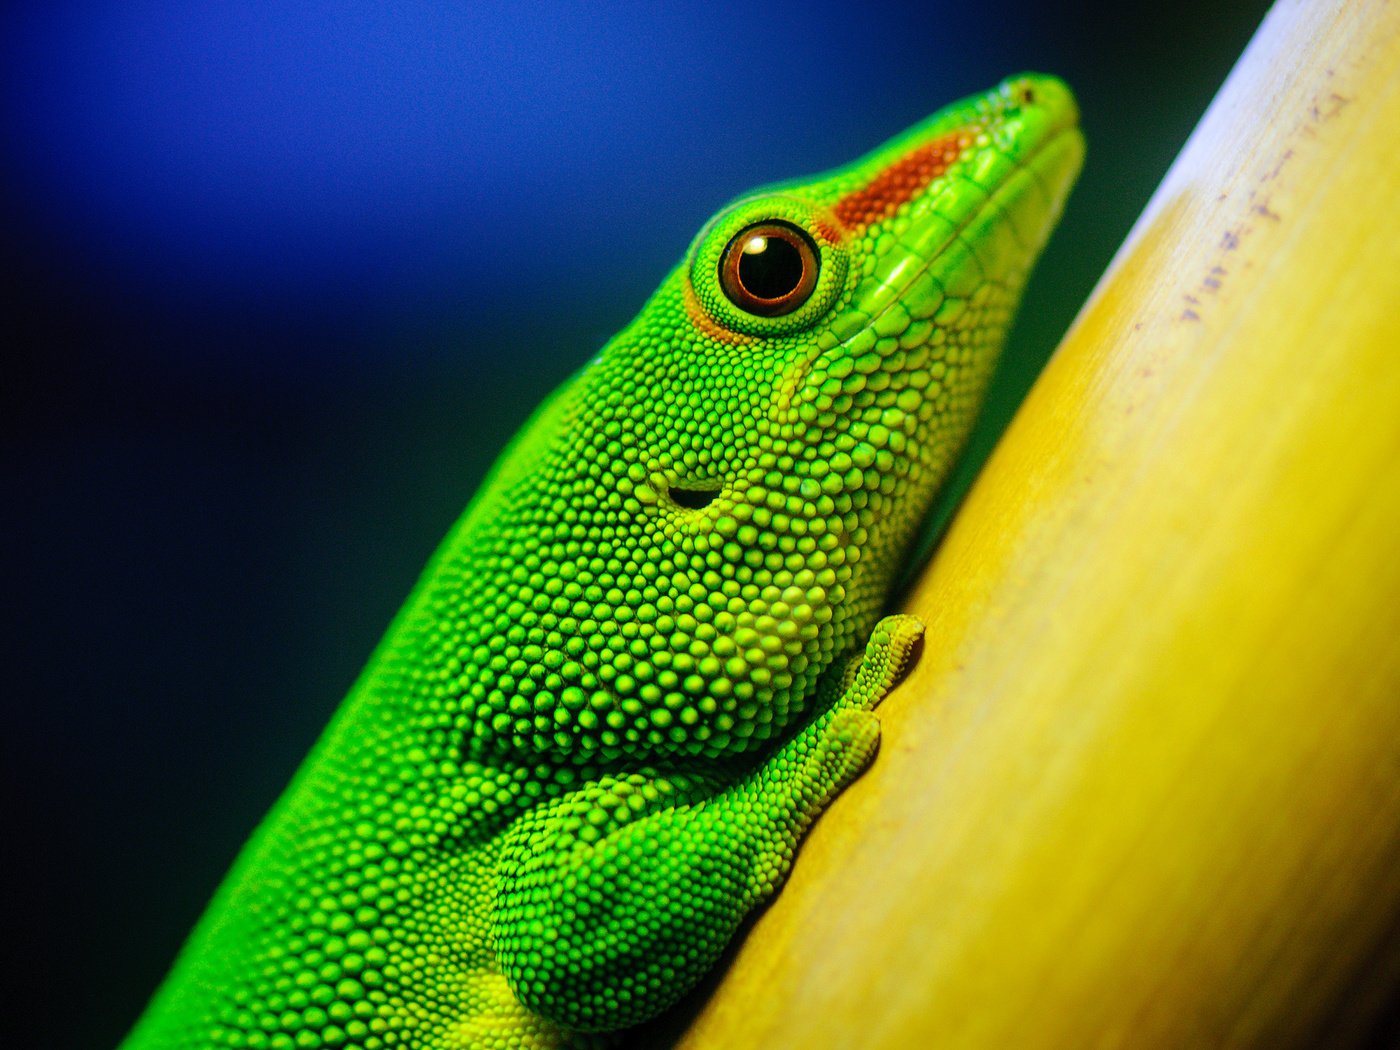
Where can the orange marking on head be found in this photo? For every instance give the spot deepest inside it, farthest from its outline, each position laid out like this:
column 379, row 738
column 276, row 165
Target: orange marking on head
column 881, row 196
column 827, row 232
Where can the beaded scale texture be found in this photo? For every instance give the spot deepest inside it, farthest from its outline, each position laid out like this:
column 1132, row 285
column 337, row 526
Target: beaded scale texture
column 645, row 659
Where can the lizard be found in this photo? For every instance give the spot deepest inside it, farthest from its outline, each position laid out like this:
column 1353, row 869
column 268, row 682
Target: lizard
column 647, row 655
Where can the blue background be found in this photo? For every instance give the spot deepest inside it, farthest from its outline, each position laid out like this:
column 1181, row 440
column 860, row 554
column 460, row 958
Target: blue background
column 284, row 277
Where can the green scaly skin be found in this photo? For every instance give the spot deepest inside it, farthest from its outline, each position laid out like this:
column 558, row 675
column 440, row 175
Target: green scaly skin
column 645, row 659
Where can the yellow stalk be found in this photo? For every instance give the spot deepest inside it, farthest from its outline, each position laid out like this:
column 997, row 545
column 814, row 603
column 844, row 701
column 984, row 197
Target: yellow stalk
column 1143, row 787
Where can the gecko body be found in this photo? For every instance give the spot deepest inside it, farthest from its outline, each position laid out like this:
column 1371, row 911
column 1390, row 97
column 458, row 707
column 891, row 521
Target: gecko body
column 645, row 659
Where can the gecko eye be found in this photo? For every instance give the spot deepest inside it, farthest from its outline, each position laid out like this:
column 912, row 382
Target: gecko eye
column 769, row 269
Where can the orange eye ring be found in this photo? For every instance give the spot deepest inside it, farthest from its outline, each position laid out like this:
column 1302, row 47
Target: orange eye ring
column 769, row 268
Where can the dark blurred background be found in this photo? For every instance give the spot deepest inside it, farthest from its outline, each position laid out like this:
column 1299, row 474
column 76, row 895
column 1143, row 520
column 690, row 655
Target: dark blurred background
column 282, row 278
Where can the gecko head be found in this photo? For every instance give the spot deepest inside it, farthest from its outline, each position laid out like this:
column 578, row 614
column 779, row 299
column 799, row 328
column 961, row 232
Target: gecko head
column 741, row 468
column 898, row 244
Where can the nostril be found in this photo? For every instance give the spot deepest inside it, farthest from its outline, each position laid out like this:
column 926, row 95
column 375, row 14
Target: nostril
column 693, row 498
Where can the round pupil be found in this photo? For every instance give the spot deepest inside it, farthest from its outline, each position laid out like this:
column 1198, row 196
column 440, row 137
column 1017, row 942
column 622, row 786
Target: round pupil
column 770, row 267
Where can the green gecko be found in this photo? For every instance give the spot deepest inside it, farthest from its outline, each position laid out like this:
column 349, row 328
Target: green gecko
column 646, row 657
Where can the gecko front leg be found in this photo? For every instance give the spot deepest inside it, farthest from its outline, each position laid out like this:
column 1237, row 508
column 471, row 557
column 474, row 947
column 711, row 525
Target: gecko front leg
column 614, row 899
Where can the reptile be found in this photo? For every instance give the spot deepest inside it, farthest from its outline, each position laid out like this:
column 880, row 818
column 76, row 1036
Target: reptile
column 646, row 657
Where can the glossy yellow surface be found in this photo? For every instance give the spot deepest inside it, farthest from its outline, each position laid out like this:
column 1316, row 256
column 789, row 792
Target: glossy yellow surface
column 1143, row 787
